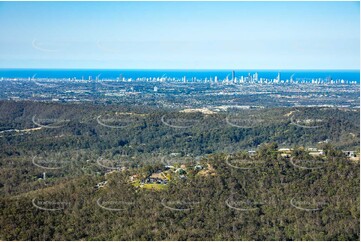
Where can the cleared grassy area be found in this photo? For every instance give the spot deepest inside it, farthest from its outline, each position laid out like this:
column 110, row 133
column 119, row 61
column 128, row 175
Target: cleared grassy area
column 136, row 183
column 157, row 187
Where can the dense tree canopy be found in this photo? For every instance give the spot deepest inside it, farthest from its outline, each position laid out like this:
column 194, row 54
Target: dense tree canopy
column 264, row 196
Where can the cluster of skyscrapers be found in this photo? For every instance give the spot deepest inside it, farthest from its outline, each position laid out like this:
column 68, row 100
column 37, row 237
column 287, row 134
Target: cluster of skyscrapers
column 250, row 78
column 231, row 79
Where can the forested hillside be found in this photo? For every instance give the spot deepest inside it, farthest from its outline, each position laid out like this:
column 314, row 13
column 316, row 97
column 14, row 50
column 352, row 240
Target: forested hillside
column 53, row 156
column 149, row 130
column 276, row 201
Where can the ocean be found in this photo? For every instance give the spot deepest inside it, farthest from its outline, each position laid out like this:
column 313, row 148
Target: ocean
column 350, row 75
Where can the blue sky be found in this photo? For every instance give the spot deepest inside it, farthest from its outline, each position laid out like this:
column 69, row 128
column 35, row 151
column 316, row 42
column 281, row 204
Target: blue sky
column 180, row 35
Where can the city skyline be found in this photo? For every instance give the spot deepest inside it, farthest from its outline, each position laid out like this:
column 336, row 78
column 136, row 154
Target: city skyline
column 180, row 35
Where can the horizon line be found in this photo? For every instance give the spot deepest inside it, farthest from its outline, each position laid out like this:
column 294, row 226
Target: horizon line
column 174, row 69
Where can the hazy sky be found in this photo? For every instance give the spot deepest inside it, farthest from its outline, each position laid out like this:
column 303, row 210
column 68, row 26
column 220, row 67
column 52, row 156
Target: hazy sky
column 180, row 35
